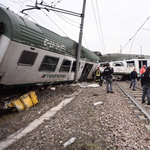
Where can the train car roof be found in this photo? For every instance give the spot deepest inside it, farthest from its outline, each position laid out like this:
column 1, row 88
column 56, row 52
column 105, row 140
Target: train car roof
column 25, row 31
column 121, row 57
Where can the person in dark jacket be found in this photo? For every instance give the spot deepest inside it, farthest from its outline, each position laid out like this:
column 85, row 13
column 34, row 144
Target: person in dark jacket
column 133, row 79
column 145, row 82
column 108, row 72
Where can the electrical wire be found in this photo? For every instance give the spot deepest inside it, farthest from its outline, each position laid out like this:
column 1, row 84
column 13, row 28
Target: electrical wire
column 33, row 15
column 97, row 25
column 53, row 21
column 65, row 19
column 145, row 29
column 52, row 3
column 135, row 34
column 100, row 27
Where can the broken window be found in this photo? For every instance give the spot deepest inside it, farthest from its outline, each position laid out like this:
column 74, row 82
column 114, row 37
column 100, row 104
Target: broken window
column 116, row 64
column 27, row 58
column 65, row 67
column 49, row 64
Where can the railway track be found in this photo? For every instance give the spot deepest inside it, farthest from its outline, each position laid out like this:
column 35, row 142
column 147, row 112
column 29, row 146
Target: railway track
column 134, row 98
column 111, row 122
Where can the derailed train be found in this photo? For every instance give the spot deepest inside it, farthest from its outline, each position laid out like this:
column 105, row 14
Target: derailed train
column 33, row 55
column 124, row 66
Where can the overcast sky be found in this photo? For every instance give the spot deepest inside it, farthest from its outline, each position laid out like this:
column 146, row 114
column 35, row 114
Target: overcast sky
column 109, row 25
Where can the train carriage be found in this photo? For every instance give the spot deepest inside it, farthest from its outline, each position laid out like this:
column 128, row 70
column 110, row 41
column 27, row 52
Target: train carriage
column 33, row 55
column 123, row 68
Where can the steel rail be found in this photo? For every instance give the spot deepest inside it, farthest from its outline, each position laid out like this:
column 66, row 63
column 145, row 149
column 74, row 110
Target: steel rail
column 141, row 88
column 137, row 103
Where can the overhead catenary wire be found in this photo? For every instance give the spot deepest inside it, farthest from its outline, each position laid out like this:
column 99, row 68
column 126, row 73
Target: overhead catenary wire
column 97, row 27
column 135, row 34
column 144, row 29
column 65, row 19
column 55, row 2
column 21, row 4
column 54, row 22
column 101, row 28
column 37, row 18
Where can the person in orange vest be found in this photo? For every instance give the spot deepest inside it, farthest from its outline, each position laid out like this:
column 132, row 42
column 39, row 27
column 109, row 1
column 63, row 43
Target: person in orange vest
column 143, row 69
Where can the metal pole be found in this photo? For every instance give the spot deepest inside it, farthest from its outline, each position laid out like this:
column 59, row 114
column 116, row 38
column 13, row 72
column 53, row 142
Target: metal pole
column 141, row 49
column 120, row 49
column 80, row 41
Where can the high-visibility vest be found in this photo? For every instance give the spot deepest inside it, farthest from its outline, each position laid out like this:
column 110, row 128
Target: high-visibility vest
column 98, row 72
column 142, row 70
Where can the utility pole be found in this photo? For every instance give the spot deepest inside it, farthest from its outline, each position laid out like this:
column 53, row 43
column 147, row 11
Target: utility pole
column 141, row 49
column 80, row 41
column 120, row 49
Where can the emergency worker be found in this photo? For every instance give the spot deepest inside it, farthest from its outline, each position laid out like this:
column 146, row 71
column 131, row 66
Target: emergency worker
column 98, row 76
column 143, row 69
column 145, row 82
column 108, row 73
column 133, row 77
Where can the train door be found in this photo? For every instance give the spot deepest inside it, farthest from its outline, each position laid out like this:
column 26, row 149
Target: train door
column 85, row 72
column 141, row 63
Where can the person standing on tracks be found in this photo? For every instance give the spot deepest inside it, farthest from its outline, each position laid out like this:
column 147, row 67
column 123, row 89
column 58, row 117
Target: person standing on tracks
column 133, row 78
column 108, row 72
column 145, row 82
column 143, row 69
column 98, row 76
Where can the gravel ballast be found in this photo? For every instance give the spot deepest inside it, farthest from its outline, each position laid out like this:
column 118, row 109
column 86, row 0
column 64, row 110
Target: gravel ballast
column 92, row 120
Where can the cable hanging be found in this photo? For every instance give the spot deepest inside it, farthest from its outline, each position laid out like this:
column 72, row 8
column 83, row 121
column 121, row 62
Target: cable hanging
column 100, row 38
column 100, row 27
column 135, row 34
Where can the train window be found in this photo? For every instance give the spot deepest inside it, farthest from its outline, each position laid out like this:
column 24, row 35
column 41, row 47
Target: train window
column 65, row 66
column 27, row 58
column 130, row 64
column 102, row 65
column 74, row 66
column 49, row 64
column 118, row 64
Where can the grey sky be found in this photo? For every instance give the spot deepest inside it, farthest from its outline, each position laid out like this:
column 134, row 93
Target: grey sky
column 119, row 21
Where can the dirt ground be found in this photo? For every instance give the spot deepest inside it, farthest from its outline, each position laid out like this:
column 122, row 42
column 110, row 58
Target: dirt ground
column 110, row 125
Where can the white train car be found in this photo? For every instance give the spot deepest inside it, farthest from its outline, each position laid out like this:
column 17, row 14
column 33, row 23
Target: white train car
column 123, row 69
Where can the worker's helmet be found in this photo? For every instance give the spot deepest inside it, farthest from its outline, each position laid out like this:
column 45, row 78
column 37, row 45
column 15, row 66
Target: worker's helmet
column 98, row 67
